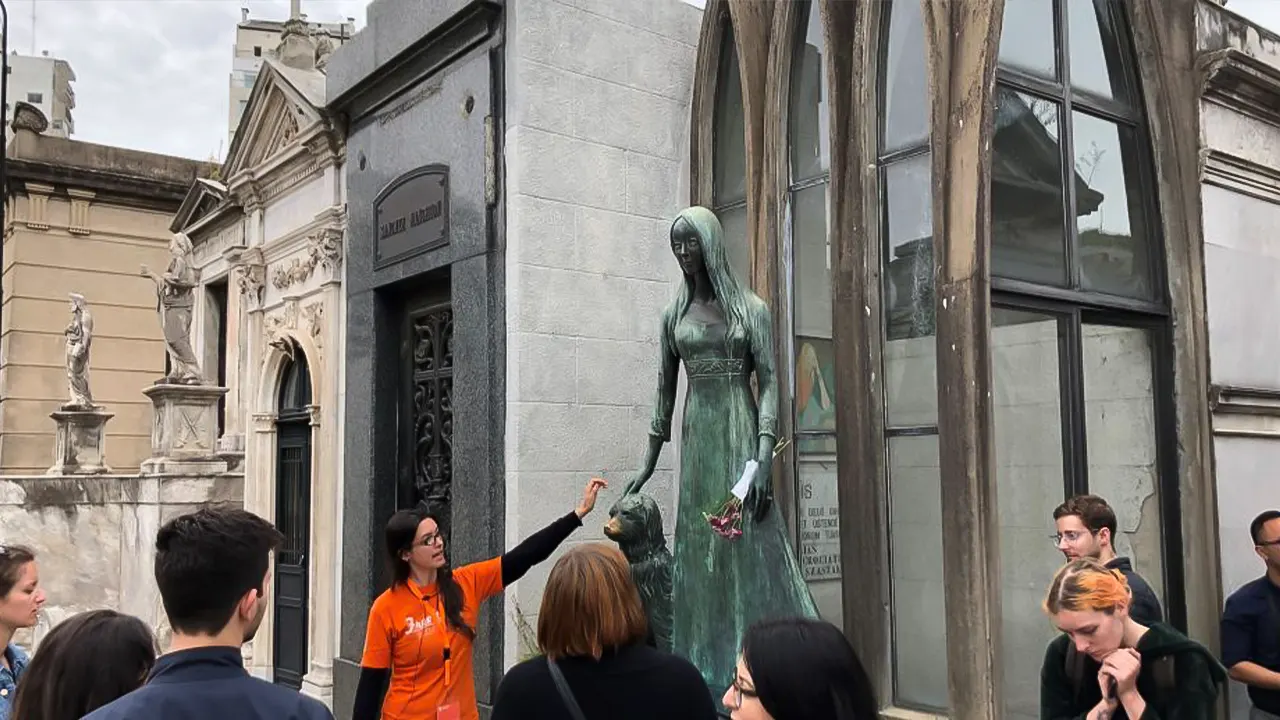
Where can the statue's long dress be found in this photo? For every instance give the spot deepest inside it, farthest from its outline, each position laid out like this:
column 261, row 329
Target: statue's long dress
column 721, row 586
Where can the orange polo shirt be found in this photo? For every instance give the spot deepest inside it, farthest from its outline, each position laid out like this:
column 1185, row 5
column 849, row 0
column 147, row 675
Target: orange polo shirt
column 408, row 633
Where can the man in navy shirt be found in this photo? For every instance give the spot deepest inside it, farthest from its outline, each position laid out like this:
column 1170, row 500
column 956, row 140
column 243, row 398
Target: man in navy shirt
column 213, row 568
column 1086, row 527
column 1251, row 624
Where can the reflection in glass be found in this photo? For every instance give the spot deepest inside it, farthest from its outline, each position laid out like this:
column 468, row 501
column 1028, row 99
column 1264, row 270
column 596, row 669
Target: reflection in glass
column 819, row 531
column 1027, row 418
column 734, row 221
column 1095, row 55
column 814, row 363
column 808, row 113
column 1027, row 37
column 1027, row 236
column 910, row 354
column 1120, row 434
column 906, row 80
column 1113, row 245
column 915, row 542
column 729, row 182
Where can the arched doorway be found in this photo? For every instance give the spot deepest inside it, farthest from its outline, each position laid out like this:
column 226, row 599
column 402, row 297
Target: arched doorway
column 293, row 518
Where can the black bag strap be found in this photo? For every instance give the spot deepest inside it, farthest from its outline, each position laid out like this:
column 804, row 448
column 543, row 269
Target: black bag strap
column 1275, row 606
column 1074, row 667
column 565, row 693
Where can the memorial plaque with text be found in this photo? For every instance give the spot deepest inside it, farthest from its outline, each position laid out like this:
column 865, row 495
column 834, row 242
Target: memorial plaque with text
column 819, row 518
column 412, row 214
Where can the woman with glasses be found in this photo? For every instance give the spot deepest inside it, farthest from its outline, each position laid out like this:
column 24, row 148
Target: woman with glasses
column 20, row 602
column 421, row 630
column 799, row 669
column 592, row 631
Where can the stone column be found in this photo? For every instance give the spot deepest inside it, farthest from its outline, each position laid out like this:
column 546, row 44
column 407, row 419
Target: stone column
column 259, row 461
column 318, row 681
column 962, row 38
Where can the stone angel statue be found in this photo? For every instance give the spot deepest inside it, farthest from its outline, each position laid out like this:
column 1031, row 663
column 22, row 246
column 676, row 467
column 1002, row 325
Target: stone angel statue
column 79, row 337
column 176, row 299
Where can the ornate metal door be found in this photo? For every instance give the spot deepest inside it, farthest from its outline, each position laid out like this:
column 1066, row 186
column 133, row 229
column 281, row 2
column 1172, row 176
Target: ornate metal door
column 293, row 519
column 426, row 454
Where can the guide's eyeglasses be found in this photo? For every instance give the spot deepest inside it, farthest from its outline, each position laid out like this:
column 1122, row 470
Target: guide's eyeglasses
column 1070, row 536
column 740, row 692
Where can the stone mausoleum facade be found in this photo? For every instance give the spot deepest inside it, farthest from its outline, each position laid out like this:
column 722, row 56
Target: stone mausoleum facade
column 1004, row 268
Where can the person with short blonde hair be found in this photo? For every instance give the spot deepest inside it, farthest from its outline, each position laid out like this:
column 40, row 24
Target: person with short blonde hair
column 591, row 632
column 1107, row 665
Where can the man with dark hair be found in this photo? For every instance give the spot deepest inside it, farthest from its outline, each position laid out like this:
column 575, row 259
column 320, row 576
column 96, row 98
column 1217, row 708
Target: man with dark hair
column 213, row 568
column 1087, row 528
column 1251, row 624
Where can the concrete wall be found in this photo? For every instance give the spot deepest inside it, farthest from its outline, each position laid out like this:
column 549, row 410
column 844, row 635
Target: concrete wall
column 94, row 538
column 1241, row 206
column 49, row 255
column 598, row 95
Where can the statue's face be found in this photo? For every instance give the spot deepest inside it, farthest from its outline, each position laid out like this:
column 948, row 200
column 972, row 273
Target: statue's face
column 687, row 247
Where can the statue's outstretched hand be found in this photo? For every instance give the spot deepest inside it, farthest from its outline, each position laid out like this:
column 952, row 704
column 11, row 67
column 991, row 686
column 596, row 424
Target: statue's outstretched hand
column 634, row 485
column 589, row 495
column 760, row 496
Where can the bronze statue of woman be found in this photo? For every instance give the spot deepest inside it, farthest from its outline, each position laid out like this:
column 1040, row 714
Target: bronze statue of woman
column 722, row 333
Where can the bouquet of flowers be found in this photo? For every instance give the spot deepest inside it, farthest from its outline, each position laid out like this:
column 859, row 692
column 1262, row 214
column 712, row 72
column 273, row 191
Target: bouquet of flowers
column 727, row 521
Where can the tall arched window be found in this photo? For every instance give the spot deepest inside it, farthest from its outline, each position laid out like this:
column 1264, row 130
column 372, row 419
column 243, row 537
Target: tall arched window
column 729, row 154
column 1080, row 316
column 910, row 365
column 807, row 257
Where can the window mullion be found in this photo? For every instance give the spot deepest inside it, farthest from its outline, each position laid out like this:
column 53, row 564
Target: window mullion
column 1066, row 141
column 1075, row 451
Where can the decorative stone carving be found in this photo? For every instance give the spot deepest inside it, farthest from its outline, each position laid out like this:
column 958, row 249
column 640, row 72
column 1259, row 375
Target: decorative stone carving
column 324, row 250
column 176, row 298
column 252, row 280
column 314, row 314
column 79, row 334
column 28, row 117
column 288, row 128
column 184, row 434
column 80, row 441
column 278, row 325
column 296, row 272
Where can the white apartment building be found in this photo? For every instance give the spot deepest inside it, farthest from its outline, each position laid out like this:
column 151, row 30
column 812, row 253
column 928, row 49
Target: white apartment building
column 256, row 39
column 45, row 82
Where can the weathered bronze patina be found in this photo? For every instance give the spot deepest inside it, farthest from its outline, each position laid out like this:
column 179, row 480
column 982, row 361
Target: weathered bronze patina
column 635, row 523
column 721, row 332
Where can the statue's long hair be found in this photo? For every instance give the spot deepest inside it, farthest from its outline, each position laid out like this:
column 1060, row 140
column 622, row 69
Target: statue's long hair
column 733, row 297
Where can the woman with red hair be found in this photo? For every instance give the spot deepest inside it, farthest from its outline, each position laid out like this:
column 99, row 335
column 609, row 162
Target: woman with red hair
column 1106, row 666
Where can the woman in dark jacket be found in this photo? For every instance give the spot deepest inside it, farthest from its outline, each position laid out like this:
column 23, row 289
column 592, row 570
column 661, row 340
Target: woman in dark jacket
column 1106, row 666
column 592, row 630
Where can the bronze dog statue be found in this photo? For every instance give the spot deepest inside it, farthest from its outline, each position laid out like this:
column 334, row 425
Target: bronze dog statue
column 635, row 524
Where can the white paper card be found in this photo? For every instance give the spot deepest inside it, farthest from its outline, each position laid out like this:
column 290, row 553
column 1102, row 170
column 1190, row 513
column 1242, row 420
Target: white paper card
column 744, row 483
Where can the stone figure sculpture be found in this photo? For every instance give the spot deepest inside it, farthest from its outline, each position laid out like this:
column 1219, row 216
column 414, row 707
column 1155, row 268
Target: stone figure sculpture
column 79, row 337
column 176, row 297
column 721, row 332
column 635, row 524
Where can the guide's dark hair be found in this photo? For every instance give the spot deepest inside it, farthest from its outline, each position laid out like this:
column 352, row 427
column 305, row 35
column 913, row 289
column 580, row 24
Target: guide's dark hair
column 1094, row 513
column 804, row 669
column 205, row 563
column 402, row 528
column 1255, row 527
column 84, row 663
column 12, row 559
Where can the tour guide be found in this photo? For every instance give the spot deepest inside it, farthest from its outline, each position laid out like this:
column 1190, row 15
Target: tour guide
column 421, row 629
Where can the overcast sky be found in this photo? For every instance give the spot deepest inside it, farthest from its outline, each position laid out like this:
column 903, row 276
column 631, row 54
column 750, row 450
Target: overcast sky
column 154, row 74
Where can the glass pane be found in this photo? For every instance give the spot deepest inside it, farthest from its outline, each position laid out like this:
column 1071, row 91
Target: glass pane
column 819, row 528
column 906, row 82
column 1027, row 414
column 1095, row 52
column 734, row 222
column 809, row 112
column 1113, row 243
column 910, row 355
column 1027, row 37
column 729, row 183
column 1027, row 238
column 915, row 542
column 810, row 274
column 1120, row 434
